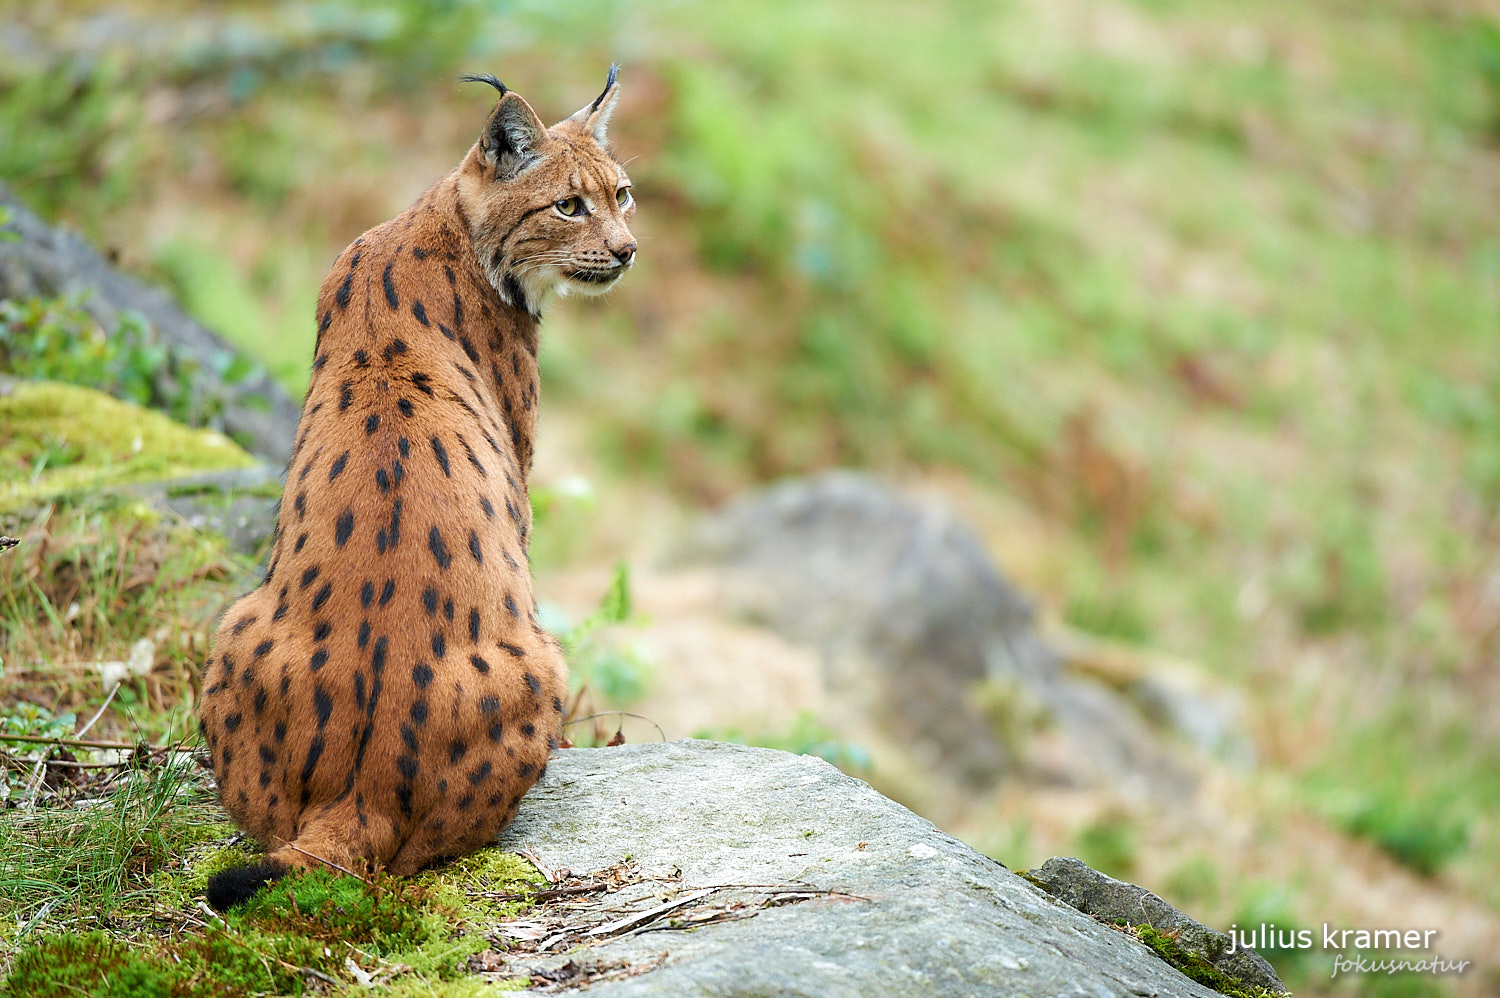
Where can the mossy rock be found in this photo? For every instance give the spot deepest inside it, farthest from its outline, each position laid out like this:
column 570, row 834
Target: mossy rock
column 57, row 439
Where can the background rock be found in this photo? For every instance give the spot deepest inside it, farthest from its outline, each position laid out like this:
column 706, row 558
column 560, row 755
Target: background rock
column 1104, row 897
column 50, row 261
column 913, row 913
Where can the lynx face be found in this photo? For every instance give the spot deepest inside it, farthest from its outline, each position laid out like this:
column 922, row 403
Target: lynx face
column 549, row 208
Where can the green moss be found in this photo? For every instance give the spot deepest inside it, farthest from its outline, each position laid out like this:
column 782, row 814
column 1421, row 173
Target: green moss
column 384, row 916
column 57, row 438
column 469, row 886
column 1198, row 969
column 93, row 964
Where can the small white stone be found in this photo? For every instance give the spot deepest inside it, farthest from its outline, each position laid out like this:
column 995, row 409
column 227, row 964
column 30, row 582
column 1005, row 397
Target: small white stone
column 922, row 851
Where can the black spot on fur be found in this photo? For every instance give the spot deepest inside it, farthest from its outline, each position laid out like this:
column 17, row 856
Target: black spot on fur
column 382, row 481
column 489, row 510
column 338, row 466
column 322, row 596
column 404, row 406
column 419, row 712
column 341, row 297
column 408, row 767
column 364, row 634
column 344, row 527
column 377, row 657
column 387, row 591
column 372, row 423
column 457, row 751
column 366, row 594
column 323, row 703
column 469, row 349
column 346, row 395
column 512, row 649
column 528, row 730
column 510, row 604
column 404, row 446
column 421, row 674
column 318, row 660
column 438, row 549
column 480, row 664
column 489, row 705
column 420, row 312
column 361, row 358
column 442, row 456
column 474, row 548
column 232, row 722
column 439, row 645
column 497, row 731
column 390, row 286
column 264, row 648
column 321, row 631
column 532, row 683
column 430, row 601
column 314, row 752
column 474, row 625
column 280, row 733
column 325, row 322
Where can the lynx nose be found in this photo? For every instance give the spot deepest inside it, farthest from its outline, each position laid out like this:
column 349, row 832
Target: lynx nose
column 624, row 254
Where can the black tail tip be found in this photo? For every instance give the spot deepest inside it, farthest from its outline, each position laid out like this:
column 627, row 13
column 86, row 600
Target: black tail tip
column 238, row 884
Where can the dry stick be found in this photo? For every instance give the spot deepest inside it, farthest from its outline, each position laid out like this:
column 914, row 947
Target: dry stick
column 296, row 848
column 619, row 713
column 77, row 742
column 631, row 921
column 98, row 713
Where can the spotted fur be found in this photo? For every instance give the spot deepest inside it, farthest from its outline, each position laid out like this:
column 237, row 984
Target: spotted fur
column 386, row 696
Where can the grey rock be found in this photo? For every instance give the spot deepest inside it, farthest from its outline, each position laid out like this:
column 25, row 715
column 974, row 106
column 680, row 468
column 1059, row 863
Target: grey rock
column 872, row 578
column 49, row 261
column 240, row 504
column 901, row 599
column 890, row 905
column 1095, row 894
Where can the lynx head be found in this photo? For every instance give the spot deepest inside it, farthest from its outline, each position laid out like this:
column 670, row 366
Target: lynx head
column 548, row 208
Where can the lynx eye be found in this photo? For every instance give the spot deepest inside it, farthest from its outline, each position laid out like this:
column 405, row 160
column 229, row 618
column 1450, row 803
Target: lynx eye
column 572, row 207
column 622, row 196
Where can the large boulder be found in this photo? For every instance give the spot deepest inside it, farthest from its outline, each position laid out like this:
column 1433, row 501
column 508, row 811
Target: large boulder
column 737, row 871
column 48, row 261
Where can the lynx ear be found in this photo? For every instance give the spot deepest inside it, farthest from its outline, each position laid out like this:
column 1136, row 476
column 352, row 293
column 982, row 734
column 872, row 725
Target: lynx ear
column 594, row 118
column 513, row 136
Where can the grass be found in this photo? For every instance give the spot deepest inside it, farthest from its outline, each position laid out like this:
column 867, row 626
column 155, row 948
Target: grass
column 136, row 862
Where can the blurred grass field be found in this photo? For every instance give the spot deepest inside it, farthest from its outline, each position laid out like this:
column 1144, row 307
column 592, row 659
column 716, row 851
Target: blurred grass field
column 1195, row 306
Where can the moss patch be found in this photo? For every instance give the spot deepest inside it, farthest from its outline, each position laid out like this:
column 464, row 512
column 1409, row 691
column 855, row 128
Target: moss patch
column 482, row 885
column 1196, row 968
column 56, row 439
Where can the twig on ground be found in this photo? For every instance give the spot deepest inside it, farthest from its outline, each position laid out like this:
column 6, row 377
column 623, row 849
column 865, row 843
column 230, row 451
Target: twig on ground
column 631, row 921
column 312, row 855
column 619, row 713
column 553, row 876
column 98, row 713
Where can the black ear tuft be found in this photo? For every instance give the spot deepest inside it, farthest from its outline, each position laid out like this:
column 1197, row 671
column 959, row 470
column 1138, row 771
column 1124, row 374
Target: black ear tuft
column 238, row 884
column 490, row 79
column 614, row 72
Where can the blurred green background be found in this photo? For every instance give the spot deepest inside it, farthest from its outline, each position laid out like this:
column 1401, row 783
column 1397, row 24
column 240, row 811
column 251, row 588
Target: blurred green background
column 1194, row 307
